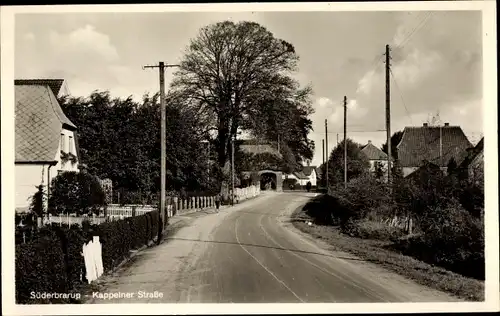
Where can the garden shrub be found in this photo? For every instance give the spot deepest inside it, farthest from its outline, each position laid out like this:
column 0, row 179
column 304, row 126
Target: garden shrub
column 40, row 268
column 52, row 260
column 76, row 191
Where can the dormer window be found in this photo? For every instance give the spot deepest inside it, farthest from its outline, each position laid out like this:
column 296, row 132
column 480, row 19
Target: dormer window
column 62, row 142
column 71, row 148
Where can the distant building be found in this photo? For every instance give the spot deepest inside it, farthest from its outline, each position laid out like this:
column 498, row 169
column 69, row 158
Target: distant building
column 264, row 163
column 307, row 174
column 376, row 157
column 45, row 139
column 472, row 167
column 432, row 144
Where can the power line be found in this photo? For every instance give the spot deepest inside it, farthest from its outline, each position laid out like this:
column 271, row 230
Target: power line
column 339, row 132
column 423, row 16
column 401, row 95
column 416, row 30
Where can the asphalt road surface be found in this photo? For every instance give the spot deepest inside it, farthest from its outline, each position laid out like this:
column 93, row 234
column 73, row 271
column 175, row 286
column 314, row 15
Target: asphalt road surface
column 251, row 253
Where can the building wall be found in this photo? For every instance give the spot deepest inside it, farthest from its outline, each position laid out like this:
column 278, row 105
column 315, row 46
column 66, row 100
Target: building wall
column 313, row 178
column 408, row 170
column 66, row 144
column 27, row 178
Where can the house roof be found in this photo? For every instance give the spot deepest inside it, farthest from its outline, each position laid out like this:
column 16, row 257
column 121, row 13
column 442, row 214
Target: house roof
column 423, row 143
column 253, row 147
column 301, row 175
column 373, row 152
column 54, row 84
column 38, row 123
column 308, row 170
column 472, row 153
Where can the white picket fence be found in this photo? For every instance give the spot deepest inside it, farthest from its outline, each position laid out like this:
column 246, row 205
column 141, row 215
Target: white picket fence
column 175, row 206
column 247, row 193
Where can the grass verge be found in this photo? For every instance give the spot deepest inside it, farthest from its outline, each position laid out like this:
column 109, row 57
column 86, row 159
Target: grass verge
column 376, row 251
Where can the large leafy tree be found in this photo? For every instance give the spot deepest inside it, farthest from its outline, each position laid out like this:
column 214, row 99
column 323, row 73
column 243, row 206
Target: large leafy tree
column 357, row 163
column 235, row 74
column 120, row 139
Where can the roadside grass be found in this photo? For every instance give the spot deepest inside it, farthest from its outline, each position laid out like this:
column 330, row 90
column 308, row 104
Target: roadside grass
column 377, row 251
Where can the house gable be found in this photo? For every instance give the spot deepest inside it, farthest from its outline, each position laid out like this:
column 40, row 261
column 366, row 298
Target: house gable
column 373, row 153
column 38, row 124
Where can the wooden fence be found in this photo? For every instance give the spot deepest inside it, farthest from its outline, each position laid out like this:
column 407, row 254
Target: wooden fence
column 175, row 206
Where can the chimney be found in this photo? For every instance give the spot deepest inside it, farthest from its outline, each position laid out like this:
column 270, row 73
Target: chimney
column 425, row 124
column 369, row 142
column 446, row 124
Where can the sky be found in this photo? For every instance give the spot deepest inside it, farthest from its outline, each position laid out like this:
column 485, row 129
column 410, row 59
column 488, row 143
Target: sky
column 436, row 61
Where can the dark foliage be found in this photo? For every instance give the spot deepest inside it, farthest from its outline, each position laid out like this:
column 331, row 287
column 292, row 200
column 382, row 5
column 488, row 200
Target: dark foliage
column 52, row 262
column 80, row 192
column 40, row 269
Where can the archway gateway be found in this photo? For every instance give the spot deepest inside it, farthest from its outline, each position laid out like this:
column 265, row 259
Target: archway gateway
column 273, row 179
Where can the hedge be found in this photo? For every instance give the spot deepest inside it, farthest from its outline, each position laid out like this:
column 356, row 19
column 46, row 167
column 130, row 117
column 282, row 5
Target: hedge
column 52, row 262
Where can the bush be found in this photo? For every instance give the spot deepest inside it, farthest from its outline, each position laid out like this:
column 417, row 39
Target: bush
column 40, row 269
column 52, row 260
column 362, row 196
column 452, row 238
column 372, row 230
column 322, row 208
column 77, row 192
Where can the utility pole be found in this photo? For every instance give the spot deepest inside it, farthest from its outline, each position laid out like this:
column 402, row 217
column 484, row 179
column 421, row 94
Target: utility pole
column 163, row 136
column 337, row 138
column 345, row 141
column 323, row 152
column 327, row 156
column 232, row 169
column 388, row 110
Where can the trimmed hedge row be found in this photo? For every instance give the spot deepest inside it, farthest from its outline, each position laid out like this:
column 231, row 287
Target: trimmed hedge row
column 53, row 262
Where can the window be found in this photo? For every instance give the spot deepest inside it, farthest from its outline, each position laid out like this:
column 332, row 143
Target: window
column 71, row 148
column 62, row 142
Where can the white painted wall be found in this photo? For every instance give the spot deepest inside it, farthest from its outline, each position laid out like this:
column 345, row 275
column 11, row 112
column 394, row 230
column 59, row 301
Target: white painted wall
column 66, row 144
column 408, row 170
column 313, row 178
column 29, row 176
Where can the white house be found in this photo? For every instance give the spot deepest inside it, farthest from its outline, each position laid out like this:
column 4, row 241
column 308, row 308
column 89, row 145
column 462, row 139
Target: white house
column 45, row 138
column 308, row 174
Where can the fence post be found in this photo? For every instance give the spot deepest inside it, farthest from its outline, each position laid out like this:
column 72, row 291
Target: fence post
column 192, row 203
column 134, row 210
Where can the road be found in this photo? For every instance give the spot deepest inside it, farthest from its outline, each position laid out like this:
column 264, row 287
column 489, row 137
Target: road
column 251, row 253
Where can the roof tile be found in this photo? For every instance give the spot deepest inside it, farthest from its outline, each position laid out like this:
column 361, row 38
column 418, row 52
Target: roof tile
column 38, row 123
column 373, row 153
column 423, row 143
